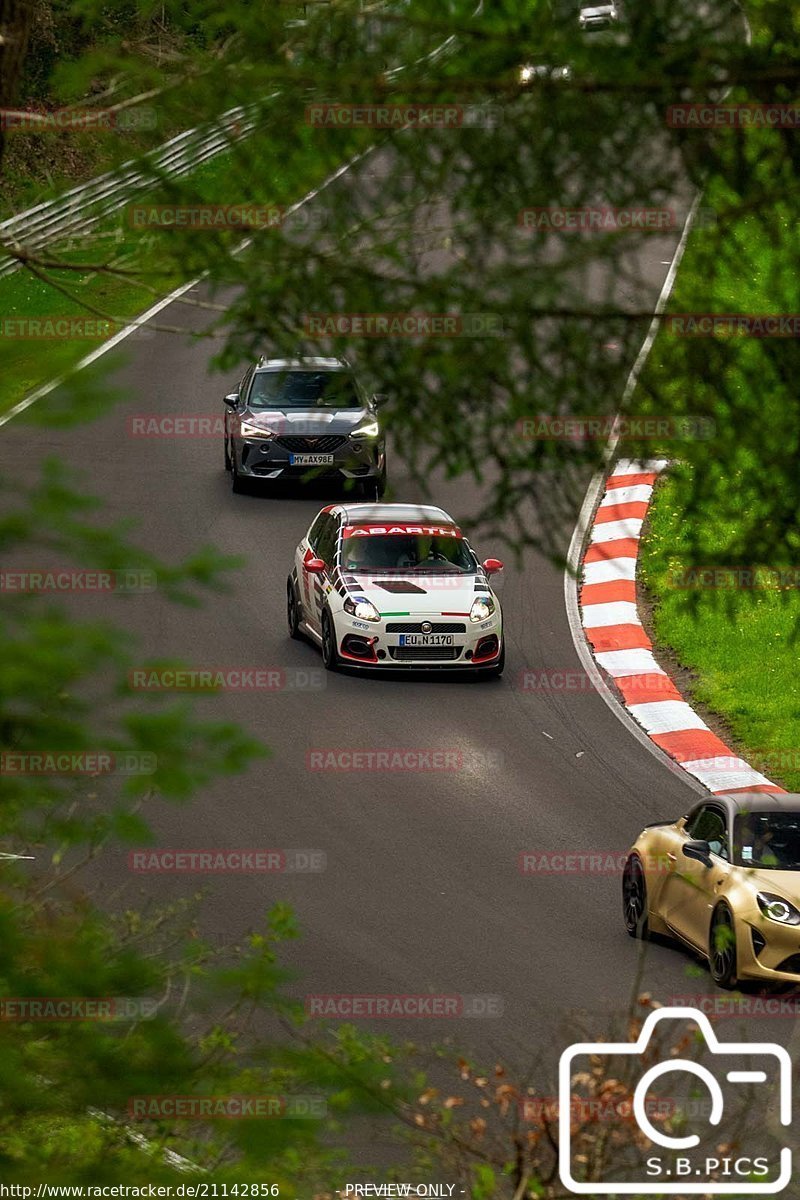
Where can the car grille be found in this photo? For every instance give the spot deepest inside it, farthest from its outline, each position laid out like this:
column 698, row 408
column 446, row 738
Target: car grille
column 311, row 445
column 791, row 965
column 416, row 627
column 429, row 653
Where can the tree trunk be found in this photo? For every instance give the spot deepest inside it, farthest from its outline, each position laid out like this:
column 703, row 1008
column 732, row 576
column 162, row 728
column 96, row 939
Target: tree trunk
column 16, row 19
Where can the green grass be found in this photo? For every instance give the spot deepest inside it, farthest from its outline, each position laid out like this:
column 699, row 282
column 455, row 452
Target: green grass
column 724, row 503
column 155, row 261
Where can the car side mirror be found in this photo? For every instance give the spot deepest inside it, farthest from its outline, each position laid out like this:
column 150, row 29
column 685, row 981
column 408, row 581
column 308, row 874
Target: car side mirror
column 379, row 399
column 492, row 566
column 314, row 566
column 231, row 400
column 698, row 850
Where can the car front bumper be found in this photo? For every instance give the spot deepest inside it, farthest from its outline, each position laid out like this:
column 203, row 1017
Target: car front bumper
column 472, row 646
column 258, row 459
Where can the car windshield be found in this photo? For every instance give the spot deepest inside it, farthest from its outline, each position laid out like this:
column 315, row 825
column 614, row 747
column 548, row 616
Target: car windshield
column 304, row 389
column 770, row 840
column 442, row 554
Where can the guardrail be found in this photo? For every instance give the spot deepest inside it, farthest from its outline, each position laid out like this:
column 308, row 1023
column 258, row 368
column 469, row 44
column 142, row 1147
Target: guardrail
column 82, row 207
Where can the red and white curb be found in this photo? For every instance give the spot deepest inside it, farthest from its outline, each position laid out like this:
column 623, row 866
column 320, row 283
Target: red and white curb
column 622, row 648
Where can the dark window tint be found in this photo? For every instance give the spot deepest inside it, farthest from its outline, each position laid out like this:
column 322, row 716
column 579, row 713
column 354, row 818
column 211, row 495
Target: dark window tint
column 708, row 825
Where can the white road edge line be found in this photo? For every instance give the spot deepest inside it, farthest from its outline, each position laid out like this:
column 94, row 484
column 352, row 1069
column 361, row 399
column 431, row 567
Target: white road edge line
column 148, row 315
column 585, row 520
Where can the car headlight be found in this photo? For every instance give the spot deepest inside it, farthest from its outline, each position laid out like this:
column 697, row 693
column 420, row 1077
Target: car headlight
column 359, row 606
column 249, row 430
column 369, row 429
column 778, row 909
column 482, row 608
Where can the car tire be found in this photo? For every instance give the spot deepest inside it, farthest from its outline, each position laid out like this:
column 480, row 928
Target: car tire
column 294, row 612
column 497, row 670
column 330, row 656
column 381, row 485
column 634, row 899
column 722, row 956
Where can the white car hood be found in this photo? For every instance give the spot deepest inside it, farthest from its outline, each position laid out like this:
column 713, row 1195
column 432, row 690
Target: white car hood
column 417, row 593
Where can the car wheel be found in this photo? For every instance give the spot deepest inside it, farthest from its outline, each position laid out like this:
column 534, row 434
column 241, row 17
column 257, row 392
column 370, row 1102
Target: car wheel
column 227, row 456
column 381, row 486
column 294, row 614
column 330, row 657
column 634, row 899
column 497, row 670
column 722, row 957
column 369, row 490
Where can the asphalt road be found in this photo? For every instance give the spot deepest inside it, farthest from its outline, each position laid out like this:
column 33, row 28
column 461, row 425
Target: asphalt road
column 423, row 891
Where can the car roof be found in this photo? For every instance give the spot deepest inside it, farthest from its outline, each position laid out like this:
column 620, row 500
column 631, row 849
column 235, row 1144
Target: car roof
column 380, row 514
column 757, row 802
column 302, row 364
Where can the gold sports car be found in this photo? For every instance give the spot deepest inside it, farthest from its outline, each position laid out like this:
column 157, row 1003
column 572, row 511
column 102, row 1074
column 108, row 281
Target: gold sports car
column 726, row 881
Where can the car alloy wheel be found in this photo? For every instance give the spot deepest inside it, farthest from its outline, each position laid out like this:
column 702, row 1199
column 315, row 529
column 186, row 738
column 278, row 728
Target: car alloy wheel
column 330, row 659
column 722, row 947
column 634, row 899
column 293, row 614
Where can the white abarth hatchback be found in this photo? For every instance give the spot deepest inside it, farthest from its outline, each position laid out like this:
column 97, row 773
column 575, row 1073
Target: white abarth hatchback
column 395, row 585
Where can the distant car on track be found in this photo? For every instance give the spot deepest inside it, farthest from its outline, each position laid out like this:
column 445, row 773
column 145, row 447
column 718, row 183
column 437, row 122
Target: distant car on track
column 395, row 585
column 725, row 880
column 596, row 17
column 289, row 419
